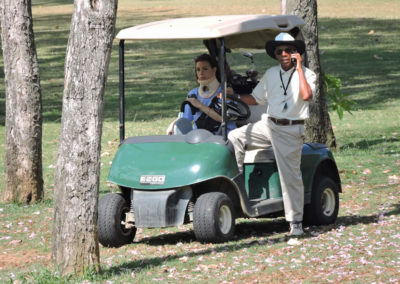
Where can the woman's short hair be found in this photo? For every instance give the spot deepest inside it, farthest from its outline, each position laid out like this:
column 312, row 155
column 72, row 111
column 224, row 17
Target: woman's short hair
column 208, row 58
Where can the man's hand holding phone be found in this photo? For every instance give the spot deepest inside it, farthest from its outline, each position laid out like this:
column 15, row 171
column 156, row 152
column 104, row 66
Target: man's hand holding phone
column 296, row 59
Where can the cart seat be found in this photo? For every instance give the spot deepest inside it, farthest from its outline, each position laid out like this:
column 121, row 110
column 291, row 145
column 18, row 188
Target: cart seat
column 204, row 136
column 259, row 155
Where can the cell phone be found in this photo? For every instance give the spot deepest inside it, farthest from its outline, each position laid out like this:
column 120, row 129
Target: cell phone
column 294, row 61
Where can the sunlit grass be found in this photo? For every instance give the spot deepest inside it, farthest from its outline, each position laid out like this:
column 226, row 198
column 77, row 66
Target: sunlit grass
column 364, row 244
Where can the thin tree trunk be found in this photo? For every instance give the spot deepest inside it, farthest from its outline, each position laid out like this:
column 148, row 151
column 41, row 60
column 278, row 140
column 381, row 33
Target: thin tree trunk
column 75, row 241
column 23, row 157
column 318, row 126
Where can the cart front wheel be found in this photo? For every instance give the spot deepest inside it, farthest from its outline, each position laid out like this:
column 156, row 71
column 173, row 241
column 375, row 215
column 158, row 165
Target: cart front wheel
column 213, row 219
column 111, row 221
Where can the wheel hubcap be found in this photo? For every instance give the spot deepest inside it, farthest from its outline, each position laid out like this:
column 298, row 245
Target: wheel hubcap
column 328, row 202
column 225, row 219
column 124, row 230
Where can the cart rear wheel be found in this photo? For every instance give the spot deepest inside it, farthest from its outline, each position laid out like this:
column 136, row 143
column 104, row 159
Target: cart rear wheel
column 214, row 219
column 111, row 218
column 324, row 206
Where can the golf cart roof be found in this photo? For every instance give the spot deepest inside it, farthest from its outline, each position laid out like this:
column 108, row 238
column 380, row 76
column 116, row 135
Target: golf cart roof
column 239, row 31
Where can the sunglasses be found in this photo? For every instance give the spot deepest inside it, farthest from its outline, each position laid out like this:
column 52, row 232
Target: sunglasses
column 288, row 50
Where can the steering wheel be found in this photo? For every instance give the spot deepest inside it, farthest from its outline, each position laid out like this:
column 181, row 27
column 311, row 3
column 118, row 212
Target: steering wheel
column 236, row 109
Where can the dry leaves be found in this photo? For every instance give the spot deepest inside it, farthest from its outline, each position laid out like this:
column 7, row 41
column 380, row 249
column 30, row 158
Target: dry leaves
column 394, row 179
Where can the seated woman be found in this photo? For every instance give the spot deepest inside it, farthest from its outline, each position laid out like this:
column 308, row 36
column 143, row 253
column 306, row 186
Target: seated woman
column 198, row 112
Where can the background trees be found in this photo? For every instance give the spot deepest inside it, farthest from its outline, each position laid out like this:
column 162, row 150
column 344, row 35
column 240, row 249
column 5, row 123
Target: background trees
column 318, row 126
column 371, row 135
column 75, row 242
column 23, row 155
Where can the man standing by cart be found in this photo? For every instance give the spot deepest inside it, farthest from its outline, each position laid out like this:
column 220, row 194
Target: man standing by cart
column 286, row 89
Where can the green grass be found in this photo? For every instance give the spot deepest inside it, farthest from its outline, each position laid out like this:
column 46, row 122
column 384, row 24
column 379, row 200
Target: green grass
column 362, row 246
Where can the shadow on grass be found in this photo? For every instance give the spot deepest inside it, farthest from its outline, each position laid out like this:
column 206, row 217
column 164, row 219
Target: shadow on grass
column 395, row 211
column 257, row 229
column 52, row 2
column 242, row 231
column 357, row 219
column 367, row 144
column 367, row 72
column 270, row 230
column 363, row 62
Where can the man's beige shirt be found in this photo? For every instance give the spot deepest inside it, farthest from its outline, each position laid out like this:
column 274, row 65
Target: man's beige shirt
column 270, row 91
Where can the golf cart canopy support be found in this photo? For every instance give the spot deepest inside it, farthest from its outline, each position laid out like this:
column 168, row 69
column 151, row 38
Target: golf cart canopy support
column 229, row 32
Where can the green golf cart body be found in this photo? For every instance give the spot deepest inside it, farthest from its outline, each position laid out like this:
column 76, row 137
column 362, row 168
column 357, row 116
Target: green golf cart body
column 170, row 180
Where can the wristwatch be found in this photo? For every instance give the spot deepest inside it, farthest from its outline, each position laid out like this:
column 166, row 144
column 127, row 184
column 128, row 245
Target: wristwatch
column 236, row 96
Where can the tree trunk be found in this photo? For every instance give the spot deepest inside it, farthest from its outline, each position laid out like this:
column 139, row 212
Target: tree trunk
column 318, row 126
column 23, row 157
column 75, row 240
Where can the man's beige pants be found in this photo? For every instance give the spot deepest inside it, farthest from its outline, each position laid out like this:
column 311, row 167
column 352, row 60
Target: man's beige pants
column 287, row 142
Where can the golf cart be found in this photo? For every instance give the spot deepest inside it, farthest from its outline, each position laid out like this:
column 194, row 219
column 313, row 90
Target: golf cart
column 170, row 180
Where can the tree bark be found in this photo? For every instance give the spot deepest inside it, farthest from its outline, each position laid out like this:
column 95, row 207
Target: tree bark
column 23, row 156
column 318, row 126
column 75, row 241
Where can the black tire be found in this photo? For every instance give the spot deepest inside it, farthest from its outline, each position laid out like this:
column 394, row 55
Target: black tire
column 324, row 206
column 213, row 219
column 111, row 214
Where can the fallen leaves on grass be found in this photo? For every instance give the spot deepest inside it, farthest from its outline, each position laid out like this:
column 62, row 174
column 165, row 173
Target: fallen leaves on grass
column 15, row 242
column 294, row 242
column 367, row 172
column 363, row 245
column 394, row 179
column 105, row 154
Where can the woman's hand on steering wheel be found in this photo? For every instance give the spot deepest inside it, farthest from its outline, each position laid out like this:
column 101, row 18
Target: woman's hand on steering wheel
column 229, row 92
column 195, row 102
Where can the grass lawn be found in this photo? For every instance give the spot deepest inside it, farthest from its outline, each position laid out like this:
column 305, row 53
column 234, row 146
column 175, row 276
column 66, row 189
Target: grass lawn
column 363, row 246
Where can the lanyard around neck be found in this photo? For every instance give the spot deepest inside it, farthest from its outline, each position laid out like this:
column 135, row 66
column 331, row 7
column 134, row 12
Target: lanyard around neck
column 287, row 85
